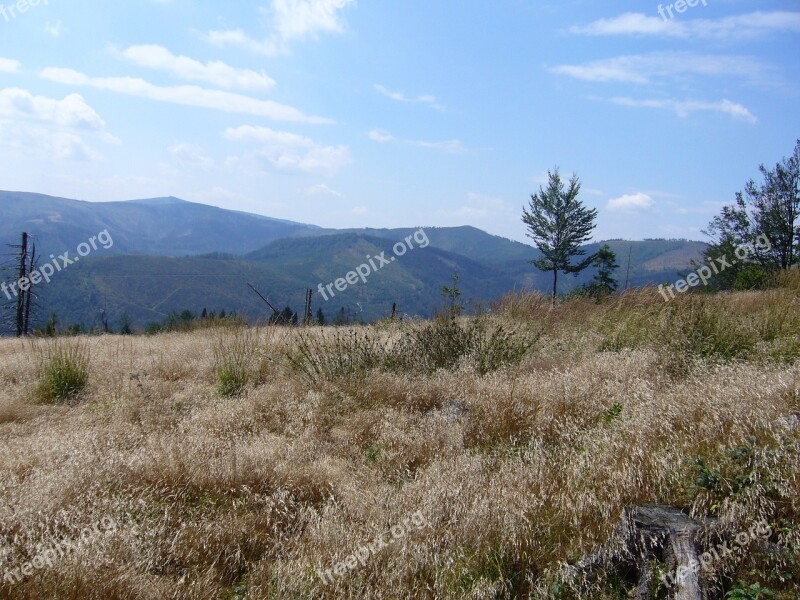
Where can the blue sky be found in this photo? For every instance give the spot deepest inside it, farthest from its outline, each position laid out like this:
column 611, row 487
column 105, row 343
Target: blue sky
column 347, row 113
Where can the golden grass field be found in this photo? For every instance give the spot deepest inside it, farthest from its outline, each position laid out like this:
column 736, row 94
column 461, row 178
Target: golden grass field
column 504, row 466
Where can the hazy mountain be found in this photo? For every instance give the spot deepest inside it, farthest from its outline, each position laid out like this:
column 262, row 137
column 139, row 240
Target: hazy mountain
column 150, row 287
column 160, row 226
column 466, row 241
column 148, row 273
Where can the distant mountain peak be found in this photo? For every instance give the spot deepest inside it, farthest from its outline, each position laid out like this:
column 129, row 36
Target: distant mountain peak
column 166, row 201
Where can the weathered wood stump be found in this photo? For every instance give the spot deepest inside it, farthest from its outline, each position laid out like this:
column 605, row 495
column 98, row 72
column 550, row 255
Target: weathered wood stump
column 647, row 536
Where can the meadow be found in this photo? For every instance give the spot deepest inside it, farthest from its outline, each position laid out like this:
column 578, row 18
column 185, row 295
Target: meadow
column 470, row 457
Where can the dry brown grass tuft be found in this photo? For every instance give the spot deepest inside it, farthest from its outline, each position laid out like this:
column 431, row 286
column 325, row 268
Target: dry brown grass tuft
column 517, row 470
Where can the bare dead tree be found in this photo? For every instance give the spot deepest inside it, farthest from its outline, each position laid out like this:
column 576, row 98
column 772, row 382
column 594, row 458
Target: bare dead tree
column 19, row 292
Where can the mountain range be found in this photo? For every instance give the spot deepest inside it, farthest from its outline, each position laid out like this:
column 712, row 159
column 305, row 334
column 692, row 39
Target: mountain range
column 170, row 255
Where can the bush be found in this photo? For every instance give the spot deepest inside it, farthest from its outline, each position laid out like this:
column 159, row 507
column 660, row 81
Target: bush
column 752, row 592
column 344, row 353
column 698, row 328
column 62, row 370
column 234, row 357
column 440, row 344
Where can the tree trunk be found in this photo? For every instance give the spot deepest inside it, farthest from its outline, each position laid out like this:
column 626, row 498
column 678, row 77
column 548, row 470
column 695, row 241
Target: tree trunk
column 555, row 285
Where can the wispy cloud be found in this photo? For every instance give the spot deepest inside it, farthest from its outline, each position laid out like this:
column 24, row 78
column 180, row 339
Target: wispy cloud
column 214, row 72
column 749, row 25
column 401, row 97
column 448, row 146
column 292, row 21
column 321, row 189
column 645, row 68
column 683, row 108
column 191, row 155
column 290, row 151
column 187, row 95
column 380, row 135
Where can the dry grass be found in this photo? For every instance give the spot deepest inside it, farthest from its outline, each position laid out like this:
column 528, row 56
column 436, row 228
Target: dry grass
column 516, row 471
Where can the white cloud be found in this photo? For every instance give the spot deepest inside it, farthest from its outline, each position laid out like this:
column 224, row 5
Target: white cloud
column 215, row 72
column 686, row 107
column 8, row 65
column 71, row 112
column 191, row 155
column 643, row 68
column 542, row 178
column 50, row 127
column 290, row 151
column 592, row 192
column 480, row 210
column 480, row 206
column 631, row 202
column 55, row 29
column 292, row 21
column 321, row 189
column 629, row 24
column 449, row 146
column 186, row 95
column 401, row 97
column 380, row 135
column 754, row 24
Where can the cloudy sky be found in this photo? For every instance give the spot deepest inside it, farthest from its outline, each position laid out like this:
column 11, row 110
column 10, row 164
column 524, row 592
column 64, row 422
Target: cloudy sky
column 371, row 113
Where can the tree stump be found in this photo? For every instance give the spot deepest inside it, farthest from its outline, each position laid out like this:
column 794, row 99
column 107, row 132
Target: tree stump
column 647, row 536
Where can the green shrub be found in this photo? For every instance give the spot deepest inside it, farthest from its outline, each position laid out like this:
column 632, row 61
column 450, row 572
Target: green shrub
column 499, row 349
column 612, row 413
column 628, row 327
column 62, row 370
column 752, row 592
column 701, row 329
column 445, row 342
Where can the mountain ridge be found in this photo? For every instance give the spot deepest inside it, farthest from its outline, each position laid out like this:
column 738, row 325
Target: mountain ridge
column 171, row 254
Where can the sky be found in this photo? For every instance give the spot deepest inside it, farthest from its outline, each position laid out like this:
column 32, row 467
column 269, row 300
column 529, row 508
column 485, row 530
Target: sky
column 379, row 113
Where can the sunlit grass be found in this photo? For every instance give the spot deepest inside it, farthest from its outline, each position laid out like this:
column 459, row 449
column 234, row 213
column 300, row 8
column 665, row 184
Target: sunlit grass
column 240, row 462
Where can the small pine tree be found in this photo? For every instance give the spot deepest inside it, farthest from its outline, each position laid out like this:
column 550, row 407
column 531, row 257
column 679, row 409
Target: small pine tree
column 452, row 294
column 51, row 328
column 125, row 324
column 341, row 318
column 604, row 283
column 320, row 317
